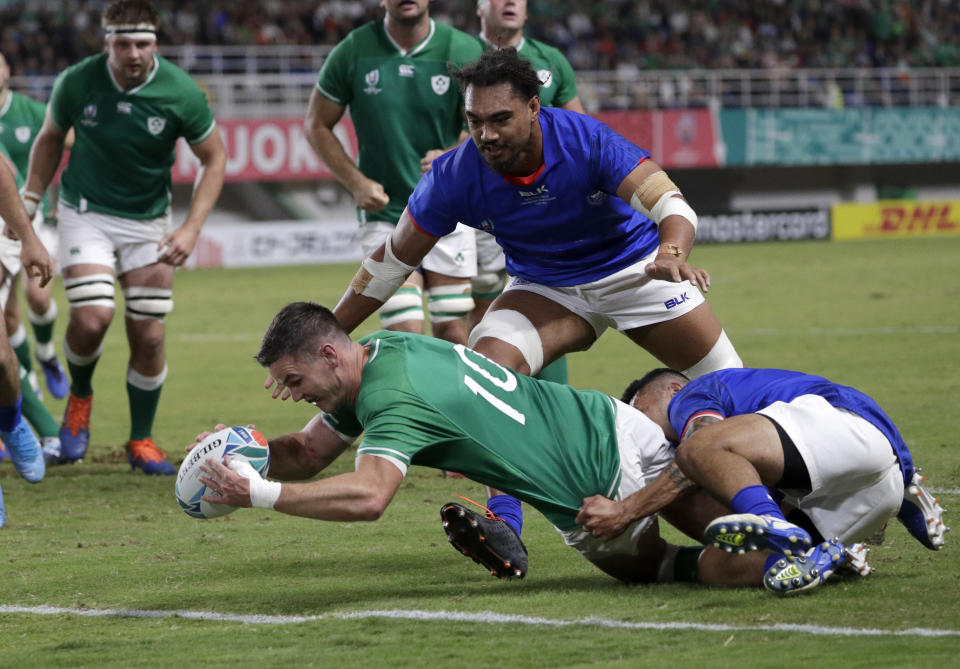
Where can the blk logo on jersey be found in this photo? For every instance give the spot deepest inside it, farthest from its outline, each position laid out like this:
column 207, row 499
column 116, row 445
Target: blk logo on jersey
column 545, row 77
column 405, row 70
column 440, row 83
column 156, row 124
column 539, row 195
column 372, row 78
column 22, row 133
column 676, row 301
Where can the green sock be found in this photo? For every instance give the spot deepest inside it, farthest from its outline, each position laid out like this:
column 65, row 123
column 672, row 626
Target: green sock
column 42, row 325
column 34, row 410
column 20, row 346
column 81, row 377
column 556, row 371
column 685, row 564
column 143, row 409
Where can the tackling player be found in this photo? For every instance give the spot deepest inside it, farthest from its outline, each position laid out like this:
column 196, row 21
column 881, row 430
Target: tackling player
column 393, row 75
column 828, row 452
column 127, row 106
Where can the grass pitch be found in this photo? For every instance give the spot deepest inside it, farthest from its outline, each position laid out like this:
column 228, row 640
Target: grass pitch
column 882, row 316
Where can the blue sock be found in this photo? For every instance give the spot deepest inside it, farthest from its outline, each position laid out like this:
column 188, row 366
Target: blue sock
column 756, row 499
column 10, row 416
column 508, row 508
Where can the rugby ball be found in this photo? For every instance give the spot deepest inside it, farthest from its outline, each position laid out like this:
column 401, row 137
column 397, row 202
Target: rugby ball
column 237, row 442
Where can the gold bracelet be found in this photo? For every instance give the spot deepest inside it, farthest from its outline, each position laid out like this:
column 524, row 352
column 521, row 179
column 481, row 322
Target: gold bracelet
column 672, row 249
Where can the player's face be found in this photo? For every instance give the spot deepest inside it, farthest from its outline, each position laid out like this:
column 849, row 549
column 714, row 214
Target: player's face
column 504, row 14
column 130, row 58
column 501, row 124
column 312, row 379
column 405, row 11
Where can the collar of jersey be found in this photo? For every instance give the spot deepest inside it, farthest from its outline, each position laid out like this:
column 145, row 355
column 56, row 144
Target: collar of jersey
column 416, row 49
column 135, row 89
column 523, row 40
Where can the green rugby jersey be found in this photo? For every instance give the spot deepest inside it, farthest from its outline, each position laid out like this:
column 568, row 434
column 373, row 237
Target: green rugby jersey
column 558, row 85
column 20, row 120
column 425, row 401
column 402, row 104
column 125, row 139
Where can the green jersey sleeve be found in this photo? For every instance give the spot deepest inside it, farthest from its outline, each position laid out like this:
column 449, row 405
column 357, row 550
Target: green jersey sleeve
column 336, row 72
column 566, row 81
column 198, row 121
column 60, row 104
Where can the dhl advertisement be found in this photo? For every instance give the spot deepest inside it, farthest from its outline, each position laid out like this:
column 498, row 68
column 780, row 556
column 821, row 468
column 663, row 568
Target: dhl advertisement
column 896, row 219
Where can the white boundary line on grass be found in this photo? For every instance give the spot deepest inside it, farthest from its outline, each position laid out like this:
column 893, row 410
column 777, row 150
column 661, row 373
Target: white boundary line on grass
column 489, row 617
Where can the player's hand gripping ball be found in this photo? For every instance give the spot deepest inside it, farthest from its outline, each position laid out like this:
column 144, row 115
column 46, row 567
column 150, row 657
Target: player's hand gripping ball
column 238, row 442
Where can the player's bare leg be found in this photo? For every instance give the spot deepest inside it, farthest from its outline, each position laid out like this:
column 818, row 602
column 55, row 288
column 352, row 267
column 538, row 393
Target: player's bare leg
column 450, row 309
column 682, row 342
column 148, row 299
column 90, row 291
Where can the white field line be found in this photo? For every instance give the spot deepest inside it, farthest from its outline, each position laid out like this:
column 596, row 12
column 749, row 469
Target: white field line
column 489, row 617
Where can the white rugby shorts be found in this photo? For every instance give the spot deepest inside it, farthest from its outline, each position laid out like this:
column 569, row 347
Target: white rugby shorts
column 855, row 477
column 623, row 300
column 100, row 239
column 453, row 255
column 490, row 257
column 644, row 454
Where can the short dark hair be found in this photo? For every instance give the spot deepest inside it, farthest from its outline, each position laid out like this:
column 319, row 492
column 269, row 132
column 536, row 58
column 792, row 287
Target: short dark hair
column 500, row 66
column 639, row 384
column 129, row 11
column 298, row 330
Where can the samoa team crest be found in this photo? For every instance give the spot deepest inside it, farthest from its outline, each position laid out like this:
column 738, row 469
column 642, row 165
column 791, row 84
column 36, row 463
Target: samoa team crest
column 440, row 83
column 156, row 124
column 22, row 133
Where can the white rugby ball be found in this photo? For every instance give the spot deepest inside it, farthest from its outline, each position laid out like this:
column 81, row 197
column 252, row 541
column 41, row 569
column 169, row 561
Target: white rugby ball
column 237, row 442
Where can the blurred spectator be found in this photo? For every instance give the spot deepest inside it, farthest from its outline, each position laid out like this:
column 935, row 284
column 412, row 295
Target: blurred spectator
column 622, row 35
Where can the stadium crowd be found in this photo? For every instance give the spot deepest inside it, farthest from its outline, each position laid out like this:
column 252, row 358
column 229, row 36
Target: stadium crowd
column 43, row 38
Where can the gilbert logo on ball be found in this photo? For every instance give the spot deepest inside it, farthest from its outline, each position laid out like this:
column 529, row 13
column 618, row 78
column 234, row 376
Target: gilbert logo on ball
column 237, row 442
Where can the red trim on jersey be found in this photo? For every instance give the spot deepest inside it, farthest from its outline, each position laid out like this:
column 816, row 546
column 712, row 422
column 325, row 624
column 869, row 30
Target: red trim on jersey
column 527, row 180
column 698, row 415
column 417, row 226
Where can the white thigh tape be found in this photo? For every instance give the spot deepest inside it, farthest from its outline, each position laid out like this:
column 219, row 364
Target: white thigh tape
column 515, row 329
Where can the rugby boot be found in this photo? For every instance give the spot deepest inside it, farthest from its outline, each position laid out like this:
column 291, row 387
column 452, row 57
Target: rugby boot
column 487, row 540
column 56, row 378
column 25, row 452
column 742, row 532
column 51, row 450
column 793, row 575
column 75, row 429
column 144, row 455
column 922, row 514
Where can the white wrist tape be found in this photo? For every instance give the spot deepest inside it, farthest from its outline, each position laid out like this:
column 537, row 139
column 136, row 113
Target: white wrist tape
column 667, row 205
column 30, row 202
column 380, row 279
column 263, row 494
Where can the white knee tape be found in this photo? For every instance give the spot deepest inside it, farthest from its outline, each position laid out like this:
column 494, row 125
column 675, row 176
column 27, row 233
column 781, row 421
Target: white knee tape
column 146, row 302
column 487, row 285
column 404, row 305
column 515, row 329
column 92, row 290
column 721, row 356
column 448, row 303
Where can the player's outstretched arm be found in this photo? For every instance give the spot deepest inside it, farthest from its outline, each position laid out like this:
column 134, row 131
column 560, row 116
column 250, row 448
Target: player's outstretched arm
column 44, row 160
column 360, row 495
column 383, row 272
column 650, row 191
column 322, row 115
column 178, row 244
